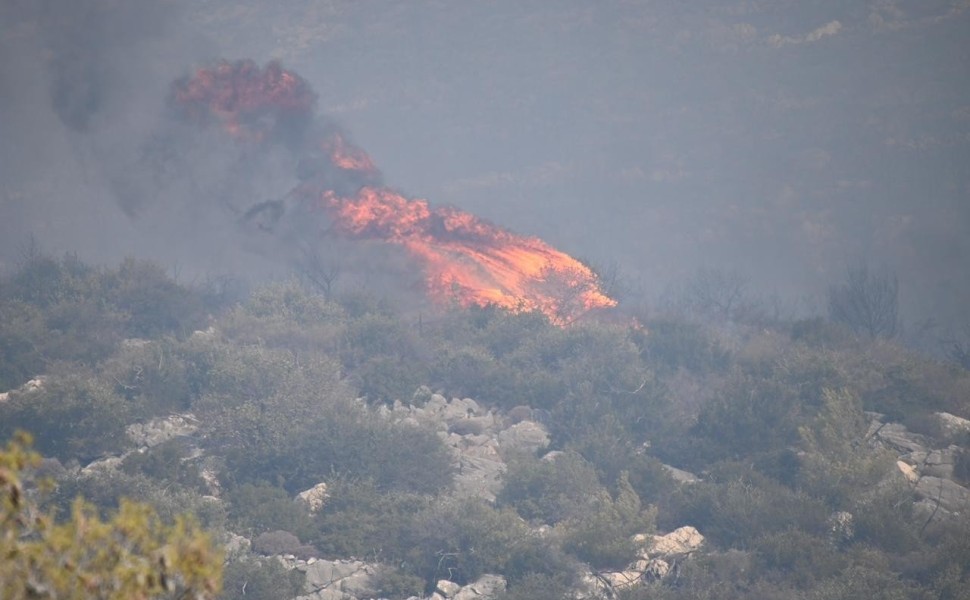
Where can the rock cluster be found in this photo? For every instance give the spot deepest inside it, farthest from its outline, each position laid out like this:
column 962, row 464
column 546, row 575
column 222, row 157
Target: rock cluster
column 33, row 385
column 659, row 555
column 483, row 588
column 478, row 439
column 335, row 579
column 929, row 470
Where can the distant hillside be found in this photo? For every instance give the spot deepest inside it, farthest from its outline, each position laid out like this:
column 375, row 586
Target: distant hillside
column 480, row 453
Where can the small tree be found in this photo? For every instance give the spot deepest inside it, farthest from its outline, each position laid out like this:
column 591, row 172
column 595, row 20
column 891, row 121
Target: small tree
column 131, row 555
column 866, row 302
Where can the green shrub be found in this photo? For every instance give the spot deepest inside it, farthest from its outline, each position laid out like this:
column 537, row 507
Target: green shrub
column 169, row 461
column 72, row 415
column 360, row 519
column 396, row 585
column 459, row 540
column 740, row 505
column 674, row 344
column 282, row 542
column 540, row 586
column 549, row 491
column 797, row 558
column 256, row 509
column 603, row 537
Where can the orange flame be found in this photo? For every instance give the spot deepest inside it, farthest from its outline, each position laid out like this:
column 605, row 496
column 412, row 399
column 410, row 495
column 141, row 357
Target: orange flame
column 465, row 259
column 249, row 101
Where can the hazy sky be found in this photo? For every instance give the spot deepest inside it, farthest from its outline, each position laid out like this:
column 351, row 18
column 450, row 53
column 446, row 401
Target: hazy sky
column 781, row 139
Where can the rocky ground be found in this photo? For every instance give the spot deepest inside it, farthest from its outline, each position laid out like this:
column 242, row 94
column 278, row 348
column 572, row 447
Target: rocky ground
column 482, row 439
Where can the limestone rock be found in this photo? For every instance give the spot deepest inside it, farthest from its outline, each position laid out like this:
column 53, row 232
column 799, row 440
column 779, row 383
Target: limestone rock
column 478, row 476
column 908, row 471
column 35, row 384
column 682, row 540
column 952, row 424
column 898, row 438
column 436, row 403
column 162, row 429
column 939, row 463
column 104, row 465
column 656, row 569
column 950, row 495
column 486, row 587
column 526, row 436
column 623, row 580
column 447, row 589
column 680, row 476
column 237, row 544
column 841, row 527
column 338, row 579
column 314, row 498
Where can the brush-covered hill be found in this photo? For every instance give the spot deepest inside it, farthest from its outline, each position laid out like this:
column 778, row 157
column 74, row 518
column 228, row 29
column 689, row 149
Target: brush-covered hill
column 340, row 448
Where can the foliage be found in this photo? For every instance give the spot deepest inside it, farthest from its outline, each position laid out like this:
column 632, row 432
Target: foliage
column 169, row 461
column 550, row 491
column 459, row 540
column 362, row 520
column 603, row 537
column 255, row 509
column 71, row 414
column 108, row 488
column 131, row 555
column 740, row 505
column 866, row 302
column 397, row 585
column 837, row 464
column 769, row 414
column 282, row 542
column 676, row 344
column 539, row 586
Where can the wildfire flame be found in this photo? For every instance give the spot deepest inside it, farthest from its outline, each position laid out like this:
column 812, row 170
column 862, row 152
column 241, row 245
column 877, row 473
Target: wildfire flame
column 465, row 259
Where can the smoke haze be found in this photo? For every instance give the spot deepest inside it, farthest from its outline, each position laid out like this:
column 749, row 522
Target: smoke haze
column 782, row 140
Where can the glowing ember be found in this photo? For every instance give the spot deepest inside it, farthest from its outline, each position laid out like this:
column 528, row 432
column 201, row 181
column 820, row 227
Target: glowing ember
column 465, row 259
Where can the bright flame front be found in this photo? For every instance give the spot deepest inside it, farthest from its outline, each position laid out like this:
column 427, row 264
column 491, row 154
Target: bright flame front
column 465, row 259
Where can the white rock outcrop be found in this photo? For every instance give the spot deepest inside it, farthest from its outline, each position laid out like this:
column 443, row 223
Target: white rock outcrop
column 314, row 498
column 162, row 429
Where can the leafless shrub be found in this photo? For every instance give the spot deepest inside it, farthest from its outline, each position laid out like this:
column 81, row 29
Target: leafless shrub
column 866, row 302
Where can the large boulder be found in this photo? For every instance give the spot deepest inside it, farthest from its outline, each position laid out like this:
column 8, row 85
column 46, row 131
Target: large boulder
column 447, row 589
column 314, row 498
column 162, row 429
column 953, row 425
column 525, row 436
column 339, row 579
column 33, row 385
column 680, row 475
column 682, row 540
column 486, row 587
column 899, row 439
column 949, row 495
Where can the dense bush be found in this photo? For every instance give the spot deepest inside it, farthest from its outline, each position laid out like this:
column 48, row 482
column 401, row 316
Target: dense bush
column 675, row 344
column 362, row 520
column 459, row 540
column 549, row 491
column 255, row 509
column 73, row 414
column 603, row 537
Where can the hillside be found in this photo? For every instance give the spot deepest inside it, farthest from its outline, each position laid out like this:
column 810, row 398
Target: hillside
column 341, row 449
